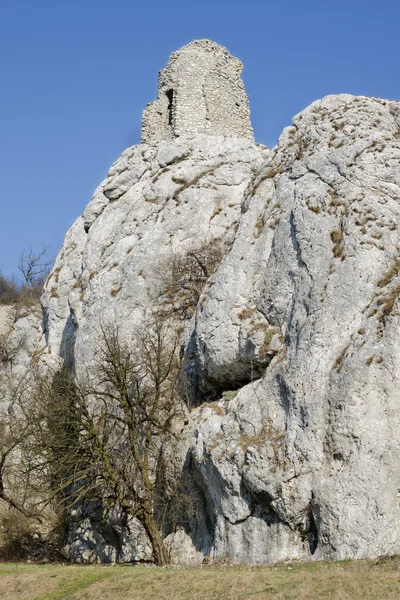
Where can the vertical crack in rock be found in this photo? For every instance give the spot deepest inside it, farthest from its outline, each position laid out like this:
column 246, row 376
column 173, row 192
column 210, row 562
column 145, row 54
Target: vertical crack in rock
column 295, row 241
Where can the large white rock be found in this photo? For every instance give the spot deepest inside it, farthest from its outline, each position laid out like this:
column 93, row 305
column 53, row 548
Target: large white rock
column 311, row 448
column 292, row 359
column 156, row 201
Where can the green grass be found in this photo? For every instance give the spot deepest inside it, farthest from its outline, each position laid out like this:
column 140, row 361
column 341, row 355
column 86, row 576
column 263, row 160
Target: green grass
column 346, row 580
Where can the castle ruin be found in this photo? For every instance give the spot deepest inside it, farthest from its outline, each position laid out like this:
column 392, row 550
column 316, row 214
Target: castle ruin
column 200, row 91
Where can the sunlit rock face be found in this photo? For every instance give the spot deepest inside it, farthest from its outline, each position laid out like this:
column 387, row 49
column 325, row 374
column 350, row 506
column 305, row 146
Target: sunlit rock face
column 291, row 360
column 304, row 462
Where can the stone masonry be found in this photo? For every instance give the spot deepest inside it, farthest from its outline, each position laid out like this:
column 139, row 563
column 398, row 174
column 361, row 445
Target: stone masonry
column 200, row 91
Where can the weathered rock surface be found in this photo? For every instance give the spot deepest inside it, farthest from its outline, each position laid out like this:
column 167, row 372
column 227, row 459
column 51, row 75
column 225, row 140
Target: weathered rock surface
column 106, row 538
column 304, row 461
column 154, row 203
column 292, row 358
column 21, row 342
column 6, row 320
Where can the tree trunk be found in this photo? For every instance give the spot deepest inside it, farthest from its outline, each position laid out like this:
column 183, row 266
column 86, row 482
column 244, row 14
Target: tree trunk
column 160, row 553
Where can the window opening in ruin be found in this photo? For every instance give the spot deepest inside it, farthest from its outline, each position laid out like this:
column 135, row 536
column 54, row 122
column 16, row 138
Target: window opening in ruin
column 170, row 96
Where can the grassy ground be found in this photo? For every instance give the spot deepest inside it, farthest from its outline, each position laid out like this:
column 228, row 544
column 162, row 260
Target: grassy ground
column 349, row 580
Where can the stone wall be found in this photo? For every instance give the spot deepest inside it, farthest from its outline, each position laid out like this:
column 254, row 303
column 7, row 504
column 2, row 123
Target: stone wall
column 200, row 91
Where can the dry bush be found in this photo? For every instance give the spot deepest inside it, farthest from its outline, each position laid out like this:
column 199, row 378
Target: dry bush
column 9, row 290
column 14, row 528
column 392, row 272
column 22, row 538
column 20, row 489
column 183, row 277
column 337, row 240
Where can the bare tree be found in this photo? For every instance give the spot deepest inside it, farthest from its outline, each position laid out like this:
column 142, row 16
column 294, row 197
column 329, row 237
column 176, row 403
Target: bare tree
column 34, row 267
column 100, row 440
column 9, row 443
column 15, row 431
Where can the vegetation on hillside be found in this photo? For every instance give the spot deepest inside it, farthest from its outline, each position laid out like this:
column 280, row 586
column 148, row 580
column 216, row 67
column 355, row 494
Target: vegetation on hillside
column 34, row 268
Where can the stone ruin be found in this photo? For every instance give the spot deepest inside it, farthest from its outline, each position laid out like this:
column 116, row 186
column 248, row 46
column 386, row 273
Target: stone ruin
column 200, row 91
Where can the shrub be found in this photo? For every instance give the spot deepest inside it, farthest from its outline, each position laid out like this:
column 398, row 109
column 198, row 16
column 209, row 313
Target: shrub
column 183, row 277
column 9, row 290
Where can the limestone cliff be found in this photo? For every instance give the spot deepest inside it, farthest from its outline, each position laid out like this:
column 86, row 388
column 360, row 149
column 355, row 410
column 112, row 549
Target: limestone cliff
column 304, row 461
column 291, row 359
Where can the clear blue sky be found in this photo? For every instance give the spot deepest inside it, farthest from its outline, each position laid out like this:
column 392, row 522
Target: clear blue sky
column 76, row 75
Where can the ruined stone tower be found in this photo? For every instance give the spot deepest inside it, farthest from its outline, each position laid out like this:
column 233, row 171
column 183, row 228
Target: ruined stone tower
column 200, row 91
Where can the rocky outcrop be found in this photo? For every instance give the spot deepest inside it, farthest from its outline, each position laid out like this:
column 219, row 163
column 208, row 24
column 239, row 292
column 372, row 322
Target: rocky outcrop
column 291, row 359
column 304, row 461
column 156, row 202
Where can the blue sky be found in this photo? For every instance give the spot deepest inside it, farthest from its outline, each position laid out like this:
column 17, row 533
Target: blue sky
column 75, row 77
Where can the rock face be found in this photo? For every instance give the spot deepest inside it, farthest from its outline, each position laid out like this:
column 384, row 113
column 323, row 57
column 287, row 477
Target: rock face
column 292, row 358
column 21, row 337
column 304, row 461
column 156, row 201
column 5, row 319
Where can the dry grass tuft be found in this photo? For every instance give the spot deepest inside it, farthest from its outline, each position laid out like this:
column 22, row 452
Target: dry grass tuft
column 339, row 361
column 259, row 226
column 215, row 407
column 386, row 305
column 392, row 272
column 246, row 313
column 337, row 240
